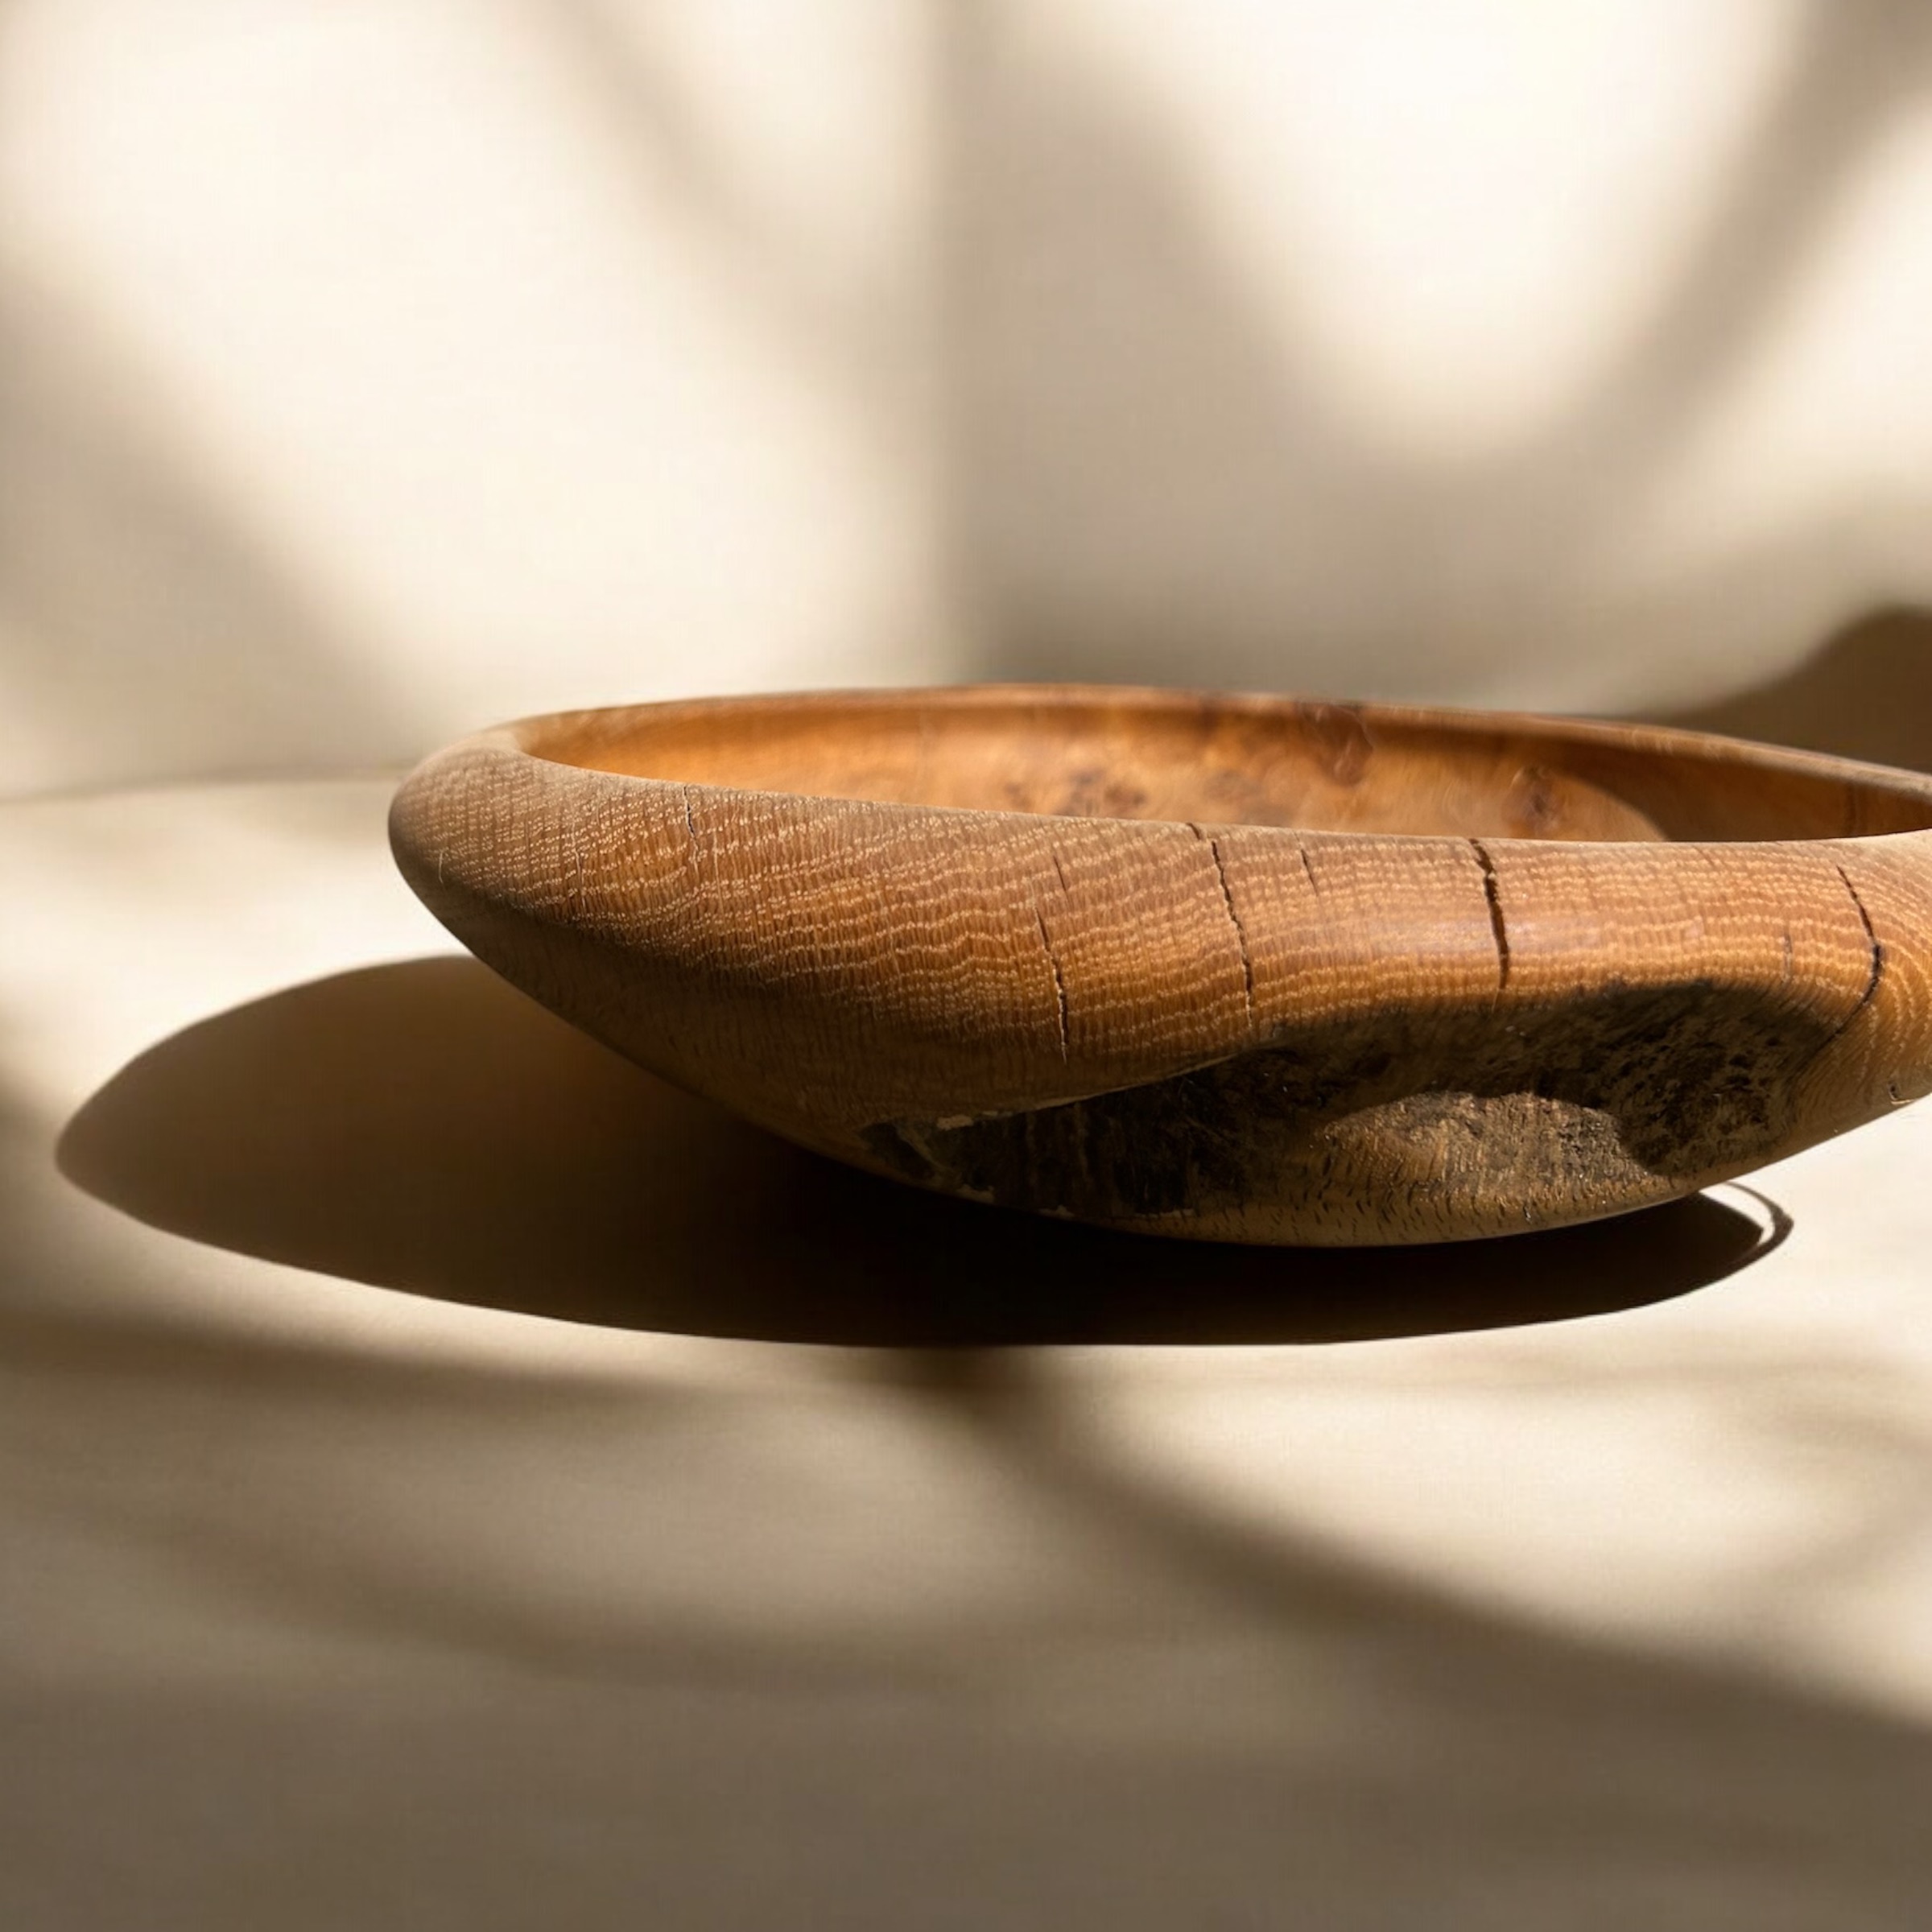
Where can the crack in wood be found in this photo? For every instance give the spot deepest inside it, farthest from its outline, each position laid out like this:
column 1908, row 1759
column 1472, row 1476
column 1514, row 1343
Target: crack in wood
column 1876, row 974
column 1059, row 982
column 1241, row 931
column 1234, row 919
column 1873, row 941
column 1498, row 929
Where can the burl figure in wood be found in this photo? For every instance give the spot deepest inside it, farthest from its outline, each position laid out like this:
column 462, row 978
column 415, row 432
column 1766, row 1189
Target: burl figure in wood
column 1237, row 968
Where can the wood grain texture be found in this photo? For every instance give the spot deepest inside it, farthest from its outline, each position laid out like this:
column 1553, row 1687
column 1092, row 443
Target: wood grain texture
column 1234, row 968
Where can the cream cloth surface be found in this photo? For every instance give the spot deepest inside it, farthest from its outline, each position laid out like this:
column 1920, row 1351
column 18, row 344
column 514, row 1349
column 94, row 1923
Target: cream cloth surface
column 447, row 1479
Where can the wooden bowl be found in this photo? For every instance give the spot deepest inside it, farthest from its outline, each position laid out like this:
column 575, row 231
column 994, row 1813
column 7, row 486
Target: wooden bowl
column 1232, row 967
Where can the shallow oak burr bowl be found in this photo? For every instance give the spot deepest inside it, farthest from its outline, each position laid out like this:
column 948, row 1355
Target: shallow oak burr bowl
column 1239, row 968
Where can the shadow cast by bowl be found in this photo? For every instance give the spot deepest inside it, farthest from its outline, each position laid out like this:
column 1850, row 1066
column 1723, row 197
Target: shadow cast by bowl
column 423, row 1127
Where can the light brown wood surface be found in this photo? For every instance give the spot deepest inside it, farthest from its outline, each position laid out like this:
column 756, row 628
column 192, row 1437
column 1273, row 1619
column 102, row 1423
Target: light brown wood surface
column 1229, row 968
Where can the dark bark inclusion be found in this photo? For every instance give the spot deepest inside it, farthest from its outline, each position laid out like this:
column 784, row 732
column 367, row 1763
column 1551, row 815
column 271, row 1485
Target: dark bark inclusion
column 1555, row 1102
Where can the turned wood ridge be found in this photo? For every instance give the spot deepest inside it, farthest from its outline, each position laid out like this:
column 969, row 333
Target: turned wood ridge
column 1239, row 968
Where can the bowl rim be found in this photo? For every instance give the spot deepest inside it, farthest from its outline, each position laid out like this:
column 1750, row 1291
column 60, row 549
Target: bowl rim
column 535, row 735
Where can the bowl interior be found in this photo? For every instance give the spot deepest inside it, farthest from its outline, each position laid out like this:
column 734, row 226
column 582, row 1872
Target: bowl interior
column 1172, row 756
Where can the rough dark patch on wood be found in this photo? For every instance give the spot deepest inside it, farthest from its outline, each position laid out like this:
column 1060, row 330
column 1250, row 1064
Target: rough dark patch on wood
column 1226, row 967
column 1644, row 1089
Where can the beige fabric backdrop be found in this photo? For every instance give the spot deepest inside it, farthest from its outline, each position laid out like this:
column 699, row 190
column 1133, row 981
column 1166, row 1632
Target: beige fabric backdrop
column 373, row 369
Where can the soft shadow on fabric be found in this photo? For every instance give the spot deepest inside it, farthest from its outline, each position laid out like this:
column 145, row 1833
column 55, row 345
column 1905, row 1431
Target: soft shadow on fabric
column 1866, row 693
column 422, row 1126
